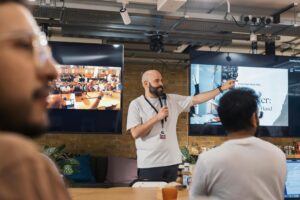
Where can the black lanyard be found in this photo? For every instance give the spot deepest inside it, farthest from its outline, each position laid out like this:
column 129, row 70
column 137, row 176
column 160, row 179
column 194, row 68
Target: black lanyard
column 162, row 121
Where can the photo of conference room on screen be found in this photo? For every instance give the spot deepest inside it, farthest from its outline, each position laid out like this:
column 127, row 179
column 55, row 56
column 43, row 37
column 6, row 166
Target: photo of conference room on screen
column 86, row 87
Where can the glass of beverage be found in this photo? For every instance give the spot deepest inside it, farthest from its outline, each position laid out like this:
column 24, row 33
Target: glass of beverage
column 169, row 193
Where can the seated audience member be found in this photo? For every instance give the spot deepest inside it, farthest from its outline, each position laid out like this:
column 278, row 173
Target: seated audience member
column 243, row 167
column 24, row 172
column 65, row 88
column 90, row 86
column 55, row 90
column 70, row 78
column 71, row 88
column 78, row 88
column 82, row 78
column 84, row 87
column 57, row 101
column 76, row 78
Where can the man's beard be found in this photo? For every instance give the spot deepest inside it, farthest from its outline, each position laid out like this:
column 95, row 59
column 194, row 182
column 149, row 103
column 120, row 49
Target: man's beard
column 17, row 124
column 157, row 91
column 14, row 117
column 31, row 131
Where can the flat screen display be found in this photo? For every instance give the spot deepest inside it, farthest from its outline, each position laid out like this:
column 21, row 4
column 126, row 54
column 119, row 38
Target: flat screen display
column 87, row 95
column 292, row 183
column 275, row 80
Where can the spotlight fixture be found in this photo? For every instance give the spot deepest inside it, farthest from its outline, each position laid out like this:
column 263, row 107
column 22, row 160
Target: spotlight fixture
column 125, row 16
column 156, row 39
column 156, row 43
column 228, row 58
column 254, row 20
column 267, row 20
column 246, row 18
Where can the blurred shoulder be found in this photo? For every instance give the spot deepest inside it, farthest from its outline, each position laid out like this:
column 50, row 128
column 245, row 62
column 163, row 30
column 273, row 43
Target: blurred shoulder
column 136, row 101
column 15, row 147
column 13, row 140
column 272, row 148
column 215, row 154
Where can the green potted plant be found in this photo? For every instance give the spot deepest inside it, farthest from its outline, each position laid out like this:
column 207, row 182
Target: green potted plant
column 187, row 157
column 65, row 163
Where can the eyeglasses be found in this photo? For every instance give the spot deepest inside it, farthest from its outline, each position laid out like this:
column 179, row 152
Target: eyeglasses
column 41, row 50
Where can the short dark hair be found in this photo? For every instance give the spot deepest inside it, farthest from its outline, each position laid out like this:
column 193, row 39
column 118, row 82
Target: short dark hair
column 236, row 108
column 21, row 2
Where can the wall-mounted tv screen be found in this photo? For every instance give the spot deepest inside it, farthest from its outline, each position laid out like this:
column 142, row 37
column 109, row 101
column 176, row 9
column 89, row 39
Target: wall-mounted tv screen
column 276, row 81
column 86, row 96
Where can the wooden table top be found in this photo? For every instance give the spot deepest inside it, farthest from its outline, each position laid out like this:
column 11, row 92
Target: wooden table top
column 121, row 193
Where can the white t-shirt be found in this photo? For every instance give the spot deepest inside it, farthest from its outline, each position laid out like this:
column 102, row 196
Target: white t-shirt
column 248, row 169
column 151, row 150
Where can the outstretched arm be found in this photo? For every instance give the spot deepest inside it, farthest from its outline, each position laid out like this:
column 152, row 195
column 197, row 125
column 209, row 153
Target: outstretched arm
column 205, row 96
column 97, row 101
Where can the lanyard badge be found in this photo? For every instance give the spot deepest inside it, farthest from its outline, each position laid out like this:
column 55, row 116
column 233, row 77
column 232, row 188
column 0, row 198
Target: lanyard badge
column 162, row 134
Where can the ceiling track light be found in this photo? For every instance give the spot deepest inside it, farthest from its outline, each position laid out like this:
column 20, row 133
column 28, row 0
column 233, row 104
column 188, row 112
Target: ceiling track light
column 125, row 16
column 295, row 21
column 124, row 13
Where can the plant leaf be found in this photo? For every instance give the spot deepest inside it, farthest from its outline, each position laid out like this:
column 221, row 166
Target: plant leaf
column 72, row 161
column 68, row 170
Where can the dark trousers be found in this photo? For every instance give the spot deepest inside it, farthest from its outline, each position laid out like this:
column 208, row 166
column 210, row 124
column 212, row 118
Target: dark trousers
column 167, row 173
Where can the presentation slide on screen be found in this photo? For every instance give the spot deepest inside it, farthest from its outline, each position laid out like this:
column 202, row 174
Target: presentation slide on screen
column 270, row 84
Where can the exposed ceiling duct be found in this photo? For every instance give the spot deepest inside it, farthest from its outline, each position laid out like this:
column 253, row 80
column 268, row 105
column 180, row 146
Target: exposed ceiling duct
column 169, row 5
column 189, row 27
column 162, row 5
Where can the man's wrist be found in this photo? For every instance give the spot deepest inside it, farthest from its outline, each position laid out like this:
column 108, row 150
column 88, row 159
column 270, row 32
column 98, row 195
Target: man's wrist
column 158, row 119
column 220, row 89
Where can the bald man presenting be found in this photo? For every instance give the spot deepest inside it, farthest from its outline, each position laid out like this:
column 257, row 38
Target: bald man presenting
column 153, row 126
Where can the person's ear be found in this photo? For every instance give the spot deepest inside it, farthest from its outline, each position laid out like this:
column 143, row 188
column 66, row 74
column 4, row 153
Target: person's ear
column 145, row 83
column 254, row 119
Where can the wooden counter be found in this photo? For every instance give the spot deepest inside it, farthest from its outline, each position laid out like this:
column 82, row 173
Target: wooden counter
column 121, row 193
column 293, row 156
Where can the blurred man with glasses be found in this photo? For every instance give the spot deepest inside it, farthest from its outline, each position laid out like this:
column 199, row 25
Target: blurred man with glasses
column 26, row 67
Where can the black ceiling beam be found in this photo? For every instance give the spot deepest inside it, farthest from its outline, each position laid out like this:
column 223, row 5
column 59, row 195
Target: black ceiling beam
column 276, row 16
